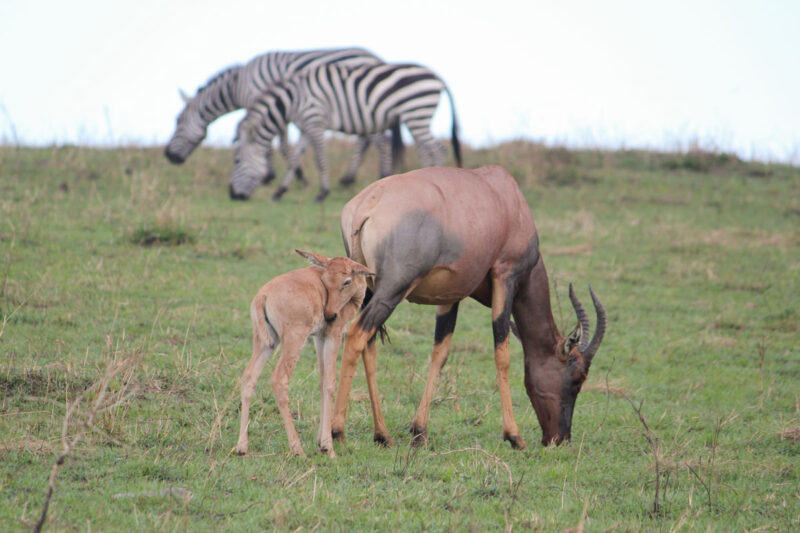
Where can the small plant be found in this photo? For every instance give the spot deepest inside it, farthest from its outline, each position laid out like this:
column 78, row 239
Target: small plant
column 162, row 235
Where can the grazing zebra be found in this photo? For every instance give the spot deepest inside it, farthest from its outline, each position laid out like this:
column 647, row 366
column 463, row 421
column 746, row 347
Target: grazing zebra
column 360, row 101
column 240, row 86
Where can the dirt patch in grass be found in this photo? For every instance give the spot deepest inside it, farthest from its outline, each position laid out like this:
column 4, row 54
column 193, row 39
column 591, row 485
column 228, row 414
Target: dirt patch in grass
column 41, row 383
column 162, row 236
column 791, row 434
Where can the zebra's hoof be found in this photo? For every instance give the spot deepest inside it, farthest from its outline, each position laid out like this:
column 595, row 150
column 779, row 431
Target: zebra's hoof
column 323, row 193
column 278, row 193
column 268, row 178
column 348, row 180
column 298, row 173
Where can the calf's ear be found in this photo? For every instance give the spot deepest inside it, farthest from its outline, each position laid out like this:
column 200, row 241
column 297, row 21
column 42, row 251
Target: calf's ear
column 358, row 268
column 314, row 259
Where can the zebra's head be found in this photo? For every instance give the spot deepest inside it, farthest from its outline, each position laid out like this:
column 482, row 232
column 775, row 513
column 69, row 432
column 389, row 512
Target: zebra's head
column 190, row 130
column 251, row 161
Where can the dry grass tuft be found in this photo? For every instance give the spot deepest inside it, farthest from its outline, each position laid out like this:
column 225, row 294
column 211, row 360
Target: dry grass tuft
column 792, row 434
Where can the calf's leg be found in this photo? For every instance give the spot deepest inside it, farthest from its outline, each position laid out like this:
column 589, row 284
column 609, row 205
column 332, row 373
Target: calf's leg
column 261, row 353
column 292, row 343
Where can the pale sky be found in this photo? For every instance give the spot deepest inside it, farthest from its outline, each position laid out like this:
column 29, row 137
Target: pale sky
column 609, row 74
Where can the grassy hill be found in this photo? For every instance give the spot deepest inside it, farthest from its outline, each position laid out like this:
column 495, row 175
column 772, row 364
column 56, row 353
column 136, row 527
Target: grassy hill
column 690, row 418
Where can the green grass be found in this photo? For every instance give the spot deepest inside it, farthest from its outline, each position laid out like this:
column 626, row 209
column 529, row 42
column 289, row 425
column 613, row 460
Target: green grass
column 696, row 257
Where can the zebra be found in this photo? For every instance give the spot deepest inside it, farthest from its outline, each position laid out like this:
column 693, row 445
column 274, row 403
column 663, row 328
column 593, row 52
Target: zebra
column 240, row 86
column 360, row 101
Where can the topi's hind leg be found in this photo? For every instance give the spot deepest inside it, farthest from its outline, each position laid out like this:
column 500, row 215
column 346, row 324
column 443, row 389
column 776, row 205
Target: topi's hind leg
column 381, row 433
column 383, row 302
column 355, row 342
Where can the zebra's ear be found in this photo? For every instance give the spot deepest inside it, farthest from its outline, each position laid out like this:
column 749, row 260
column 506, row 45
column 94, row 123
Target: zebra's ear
column 185, row 97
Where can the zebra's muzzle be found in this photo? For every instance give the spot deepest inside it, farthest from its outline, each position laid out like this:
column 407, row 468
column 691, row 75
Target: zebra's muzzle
column 237, row 195
column 173, row 157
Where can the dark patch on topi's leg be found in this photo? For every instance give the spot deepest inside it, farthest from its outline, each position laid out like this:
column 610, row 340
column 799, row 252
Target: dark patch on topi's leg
column 445, row 324
column 419, row 435
column 383, row 440
column 500, row 329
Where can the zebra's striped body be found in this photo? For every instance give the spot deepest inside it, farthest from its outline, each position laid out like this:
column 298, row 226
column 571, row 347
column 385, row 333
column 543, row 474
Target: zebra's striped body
column 360, row 101
column 240, row 86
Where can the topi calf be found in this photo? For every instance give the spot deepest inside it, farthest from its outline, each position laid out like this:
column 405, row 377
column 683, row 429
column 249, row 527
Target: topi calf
column 318, row 300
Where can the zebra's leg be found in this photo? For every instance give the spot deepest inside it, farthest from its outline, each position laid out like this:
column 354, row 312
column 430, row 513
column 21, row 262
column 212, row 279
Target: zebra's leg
column 384, row 146
column 286, row 151
column 350, row 176
column 317, row 137
column 431, row 152
column 294, row 162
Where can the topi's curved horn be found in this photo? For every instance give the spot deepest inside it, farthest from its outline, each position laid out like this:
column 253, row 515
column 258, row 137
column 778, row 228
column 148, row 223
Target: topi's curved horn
column 583, row 319
column 600, row 329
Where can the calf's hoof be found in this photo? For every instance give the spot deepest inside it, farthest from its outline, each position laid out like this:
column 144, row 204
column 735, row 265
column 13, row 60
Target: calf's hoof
column 278, row 193
column 419, row 435
column 240, row 449
column 298, row 452
column 516, row 441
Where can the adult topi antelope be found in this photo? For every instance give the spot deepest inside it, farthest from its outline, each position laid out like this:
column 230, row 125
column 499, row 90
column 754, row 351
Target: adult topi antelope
column 318, row 300
column 436, row 236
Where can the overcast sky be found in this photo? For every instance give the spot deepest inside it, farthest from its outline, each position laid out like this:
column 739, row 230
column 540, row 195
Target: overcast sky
column 581, row 73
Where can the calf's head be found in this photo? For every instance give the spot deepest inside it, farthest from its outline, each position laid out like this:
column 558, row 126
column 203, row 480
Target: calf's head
column 343, row 278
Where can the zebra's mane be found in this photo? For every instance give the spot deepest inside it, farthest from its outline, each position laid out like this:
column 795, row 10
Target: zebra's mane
column 218, row 77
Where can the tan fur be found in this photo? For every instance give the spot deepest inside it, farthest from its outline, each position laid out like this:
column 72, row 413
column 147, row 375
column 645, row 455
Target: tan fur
column 495, row 260
column 314, row 301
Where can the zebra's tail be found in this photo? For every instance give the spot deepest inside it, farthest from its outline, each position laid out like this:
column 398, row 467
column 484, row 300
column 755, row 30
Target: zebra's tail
column 398, row 149
column 454, row 132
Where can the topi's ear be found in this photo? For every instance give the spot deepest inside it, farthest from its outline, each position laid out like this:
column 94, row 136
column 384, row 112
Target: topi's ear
column 572, row 340
column 185, row 97
column 314, row 259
